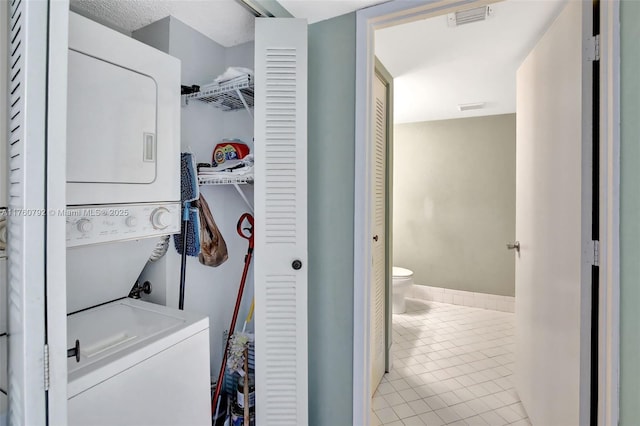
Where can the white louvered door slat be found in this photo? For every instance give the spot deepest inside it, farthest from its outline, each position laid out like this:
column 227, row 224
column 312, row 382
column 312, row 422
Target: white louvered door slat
column 281, row 222
column 26, row 203
column 4, row 20
column 378, row 232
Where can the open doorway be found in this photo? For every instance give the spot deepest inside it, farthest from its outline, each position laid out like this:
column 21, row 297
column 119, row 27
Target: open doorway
column 580, row 278
column 454, row 206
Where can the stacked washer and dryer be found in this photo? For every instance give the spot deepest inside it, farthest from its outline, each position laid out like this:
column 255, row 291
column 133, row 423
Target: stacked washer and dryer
column 131, row 362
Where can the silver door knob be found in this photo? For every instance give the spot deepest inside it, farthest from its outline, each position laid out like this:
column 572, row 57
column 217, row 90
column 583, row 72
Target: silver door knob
column 515, row 246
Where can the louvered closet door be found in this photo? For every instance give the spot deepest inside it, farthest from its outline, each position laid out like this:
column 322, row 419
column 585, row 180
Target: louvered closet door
column 281, row 222
column 26, row 193
column 378, row 291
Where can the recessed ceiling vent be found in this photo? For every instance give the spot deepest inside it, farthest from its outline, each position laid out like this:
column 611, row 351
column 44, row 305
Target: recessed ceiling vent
column 468, row 16
column 470, row 107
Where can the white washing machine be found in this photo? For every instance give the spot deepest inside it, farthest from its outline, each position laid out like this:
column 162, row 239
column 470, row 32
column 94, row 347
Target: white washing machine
column 139, row 364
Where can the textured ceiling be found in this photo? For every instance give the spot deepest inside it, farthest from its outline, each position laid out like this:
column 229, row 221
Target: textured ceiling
column 319, row 10
column 224, row 21
column 437, row 67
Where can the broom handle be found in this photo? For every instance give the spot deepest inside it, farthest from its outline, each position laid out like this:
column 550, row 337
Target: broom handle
column 183, row 267
column 247, row 420
column 247, row 261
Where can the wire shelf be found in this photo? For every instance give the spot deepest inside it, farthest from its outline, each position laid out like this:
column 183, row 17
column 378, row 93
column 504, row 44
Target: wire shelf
column 225, row 180
column 231, row 95
column 235, row 180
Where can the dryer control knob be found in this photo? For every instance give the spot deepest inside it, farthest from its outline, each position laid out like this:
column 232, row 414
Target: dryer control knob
column 160, row 218
column 131, row 221
column 84, row 225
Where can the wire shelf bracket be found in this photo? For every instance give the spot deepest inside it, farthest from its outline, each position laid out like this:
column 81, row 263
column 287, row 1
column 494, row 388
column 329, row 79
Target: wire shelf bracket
column 229, row 96
column 236, row 181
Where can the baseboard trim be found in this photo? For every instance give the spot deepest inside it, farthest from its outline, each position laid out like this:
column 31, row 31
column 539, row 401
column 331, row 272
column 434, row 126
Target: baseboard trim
column 465, row 298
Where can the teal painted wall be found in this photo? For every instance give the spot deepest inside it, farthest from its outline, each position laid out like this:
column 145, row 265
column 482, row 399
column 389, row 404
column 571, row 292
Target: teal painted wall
column 630, row 214
column 331, row 130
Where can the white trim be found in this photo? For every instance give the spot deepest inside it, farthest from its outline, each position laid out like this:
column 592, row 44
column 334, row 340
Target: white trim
column 609, row 333
column 362, row 250
column 25, row 242
column 56, row 271
column 471, row 299
column 401, row 11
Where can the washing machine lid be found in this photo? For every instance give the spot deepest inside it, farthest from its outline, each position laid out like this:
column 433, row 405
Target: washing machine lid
column 121, row 334
column 401, row 272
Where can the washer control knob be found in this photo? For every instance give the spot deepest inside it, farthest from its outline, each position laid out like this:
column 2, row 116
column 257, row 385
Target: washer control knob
column 131, row 221
column 84, row 225
column 160, row 218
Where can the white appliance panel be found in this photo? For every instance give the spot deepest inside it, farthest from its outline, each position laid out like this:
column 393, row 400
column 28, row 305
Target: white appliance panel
column 170, row 388
column 107, row 223
column 124, row 119
column 111, row 129
column 101, row 273
column 140, row 364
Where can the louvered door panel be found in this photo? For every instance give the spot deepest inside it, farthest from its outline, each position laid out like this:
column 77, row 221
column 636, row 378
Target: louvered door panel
column 281, row 222
column 378, row 293
column 26, row 203
column 3, row 181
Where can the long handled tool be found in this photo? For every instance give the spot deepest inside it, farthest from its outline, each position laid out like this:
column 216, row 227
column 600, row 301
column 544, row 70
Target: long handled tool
column 246, row 233
column 188, row 242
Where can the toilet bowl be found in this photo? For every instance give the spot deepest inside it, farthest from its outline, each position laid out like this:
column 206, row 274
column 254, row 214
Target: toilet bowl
column 402, row 281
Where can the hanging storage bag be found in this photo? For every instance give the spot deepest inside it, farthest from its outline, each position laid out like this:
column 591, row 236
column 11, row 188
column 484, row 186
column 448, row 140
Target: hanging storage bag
column 213, row 249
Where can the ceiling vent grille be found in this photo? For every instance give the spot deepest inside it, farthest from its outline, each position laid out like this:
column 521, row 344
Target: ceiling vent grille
column 469, row 16
column 470, row 107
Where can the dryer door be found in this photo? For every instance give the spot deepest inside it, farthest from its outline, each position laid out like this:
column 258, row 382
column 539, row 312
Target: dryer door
column 111, row 123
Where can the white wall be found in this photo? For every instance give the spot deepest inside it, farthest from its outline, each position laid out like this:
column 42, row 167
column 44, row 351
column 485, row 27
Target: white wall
column 454, row 203
column 210, row 291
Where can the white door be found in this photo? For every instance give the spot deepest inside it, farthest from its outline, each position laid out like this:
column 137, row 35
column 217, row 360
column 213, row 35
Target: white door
column 553, row 223
column 281, row 222
column 36, row 139
column 378, row 207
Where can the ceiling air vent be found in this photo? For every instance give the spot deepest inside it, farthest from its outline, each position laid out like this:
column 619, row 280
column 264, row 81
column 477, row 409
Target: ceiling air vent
column 470, row 107
column 468, row 16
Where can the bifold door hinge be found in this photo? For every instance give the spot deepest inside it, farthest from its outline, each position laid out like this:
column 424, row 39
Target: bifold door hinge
column 593, row 48
column 46, row 367
column 596, row 253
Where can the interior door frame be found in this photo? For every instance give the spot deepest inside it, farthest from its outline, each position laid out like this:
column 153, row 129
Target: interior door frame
column 402, row 11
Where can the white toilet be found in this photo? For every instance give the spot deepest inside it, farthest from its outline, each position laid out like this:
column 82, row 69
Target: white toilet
column 402, row 282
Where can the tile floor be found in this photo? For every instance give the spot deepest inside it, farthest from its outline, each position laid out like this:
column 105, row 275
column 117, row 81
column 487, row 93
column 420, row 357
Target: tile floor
column 453, row 365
